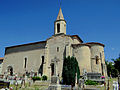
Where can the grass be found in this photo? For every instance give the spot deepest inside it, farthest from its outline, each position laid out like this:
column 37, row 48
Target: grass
column 110, row 84
column 101, row 87
column 32, row 87
column 41, row 87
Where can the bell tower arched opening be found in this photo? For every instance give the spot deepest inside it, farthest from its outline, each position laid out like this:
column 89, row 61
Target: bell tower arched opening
column 60, row 24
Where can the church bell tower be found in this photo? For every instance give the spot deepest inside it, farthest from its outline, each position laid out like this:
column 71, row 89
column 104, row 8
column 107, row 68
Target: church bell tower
column 60, row 24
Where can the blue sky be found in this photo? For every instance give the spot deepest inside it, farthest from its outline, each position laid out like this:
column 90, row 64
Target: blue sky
column 25, row 21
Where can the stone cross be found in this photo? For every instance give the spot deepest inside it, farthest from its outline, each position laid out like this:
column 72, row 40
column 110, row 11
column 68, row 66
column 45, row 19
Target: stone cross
column 76, row 80
column 55, row 62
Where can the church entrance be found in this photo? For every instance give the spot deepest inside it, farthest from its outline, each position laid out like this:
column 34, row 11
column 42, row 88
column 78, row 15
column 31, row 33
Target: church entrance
column 10, row 70
column 52, row 69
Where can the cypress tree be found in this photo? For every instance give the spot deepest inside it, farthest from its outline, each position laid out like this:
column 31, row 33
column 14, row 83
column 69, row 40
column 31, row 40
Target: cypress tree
column 70, row 68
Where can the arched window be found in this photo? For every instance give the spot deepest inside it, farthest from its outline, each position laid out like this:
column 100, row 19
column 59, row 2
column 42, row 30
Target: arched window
column 25, row 65
column 10, row 70
column 57, row 49
column 102, row 68
column 41, row 66
column 58, row 28
column 42, row 59
column 97, row 59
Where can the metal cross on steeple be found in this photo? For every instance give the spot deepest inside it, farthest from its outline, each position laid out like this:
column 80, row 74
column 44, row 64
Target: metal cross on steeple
column 60, row 3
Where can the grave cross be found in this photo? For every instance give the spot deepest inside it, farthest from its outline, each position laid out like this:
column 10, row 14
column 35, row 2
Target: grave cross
column 55, row 62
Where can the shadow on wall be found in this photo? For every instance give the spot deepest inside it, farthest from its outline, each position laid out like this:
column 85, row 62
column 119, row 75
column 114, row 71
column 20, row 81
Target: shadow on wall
column 40, row 71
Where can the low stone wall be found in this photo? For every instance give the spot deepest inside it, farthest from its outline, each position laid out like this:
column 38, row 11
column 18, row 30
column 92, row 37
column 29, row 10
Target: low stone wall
column 65, row 87
column 91, row 89
column 41, row 83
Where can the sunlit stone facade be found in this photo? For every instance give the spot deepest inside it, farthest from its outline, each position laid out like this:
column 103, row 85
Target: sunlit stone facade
column 46, row 57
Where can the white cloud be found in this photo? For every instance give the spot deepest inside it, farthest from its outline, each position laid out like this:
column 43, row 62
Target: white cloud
column 113, row 48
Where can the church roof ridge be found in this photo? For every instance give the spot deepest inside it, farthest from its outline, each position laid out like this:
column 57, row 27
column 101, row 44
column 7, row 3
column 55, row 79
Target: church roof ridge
column 96, row 43
column 73, row 36
column 26, row 44
column 1, row 58
column 81, row 44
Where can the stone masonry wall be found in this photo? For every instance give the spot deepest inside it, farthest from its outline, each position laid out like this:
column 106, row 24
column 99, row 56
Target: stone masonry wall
column 83, row 54
column 17, row 59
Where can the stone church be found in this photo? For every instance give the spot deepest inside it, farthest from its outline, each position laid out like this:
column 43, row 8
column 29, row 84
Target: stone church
column 46, row 57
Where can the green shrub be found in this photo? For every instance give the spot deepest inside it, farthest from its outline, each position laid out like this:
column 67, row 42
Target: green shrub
column 44, row 77
column 36, row 88
column 36, row 78
column 90, row 82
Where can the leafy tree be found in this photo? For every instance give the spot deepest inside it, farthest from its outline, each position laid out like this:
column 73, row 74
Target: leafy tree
column 70, row 68
column 117, row 63
column 111, row 70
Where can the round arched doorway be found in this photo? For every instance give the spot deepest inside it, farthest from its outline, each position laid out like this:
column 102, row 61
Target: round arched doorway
column 10, row 70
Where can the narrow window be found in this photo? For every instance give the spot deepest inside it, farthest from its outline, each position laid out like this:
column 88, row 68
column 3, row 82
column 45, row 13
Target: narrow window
column 101, row 56
column 42, row 59
column 97, row 59
column 58, row 28
column 102, row 69
column 25, row 63
column 57, row 49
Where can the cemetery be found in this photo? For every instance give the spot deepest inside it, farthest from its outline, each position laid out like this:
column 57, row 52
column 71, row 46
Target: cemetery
column 62, row 61
column 43, row 83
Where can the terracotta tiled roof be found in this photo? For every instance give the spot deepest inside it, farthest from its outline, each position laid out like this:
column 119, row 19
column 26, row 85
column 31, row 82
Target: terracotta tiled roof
column 1, row 58
column 26, row 44
column 82, row 44
column 87, row 44
column 95, row 43
column 72, row 36
column 76, row 36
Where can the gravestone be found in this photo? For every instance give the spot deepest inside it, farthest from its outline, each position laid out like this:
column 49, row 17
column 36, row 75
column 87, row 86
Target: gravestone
column 76, row 82
column 54, row 85
column 119, row 81
column 4, row 84
column 54, row 80
column 115, row 85
column 81, row 83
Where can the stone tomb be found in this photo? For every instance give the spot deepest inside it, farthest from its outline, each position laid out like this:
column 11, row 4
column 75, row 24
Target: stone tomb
column 54, row 85
column 94, row 76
